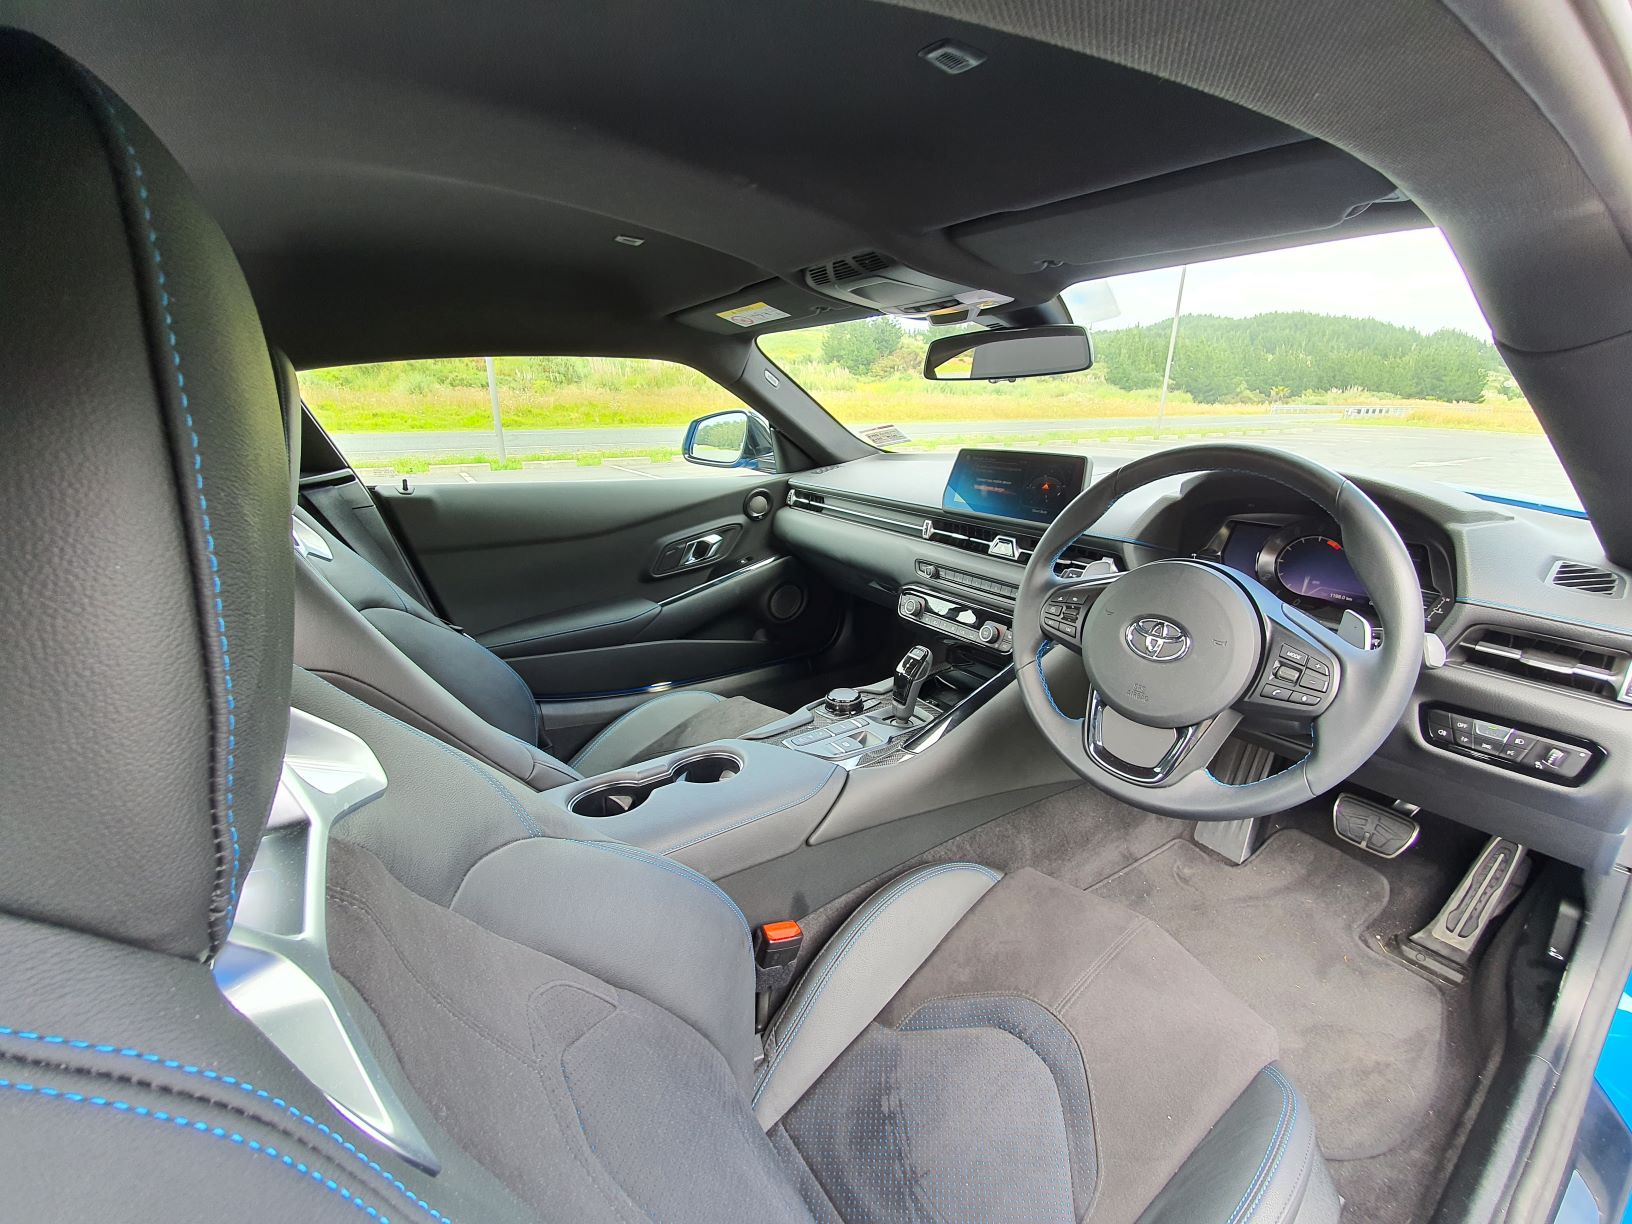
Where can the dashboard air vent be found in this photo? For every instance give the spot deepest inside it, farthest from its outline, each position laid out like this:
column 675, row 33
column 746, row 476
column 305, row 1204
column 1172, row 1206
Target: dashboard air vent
column 821, row 274
column 881, row 518
column 1579, row 576
column 1552, row 661
column 1005, row 545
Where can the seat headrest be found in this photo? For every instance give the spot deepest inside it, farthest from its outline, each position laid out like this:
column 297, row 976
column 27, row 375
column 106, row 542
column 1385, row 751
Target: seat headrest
column 144, row 529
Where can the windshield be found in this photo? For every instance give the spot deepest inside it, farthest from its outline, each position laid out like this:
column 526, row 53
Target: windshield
column 1368, row 354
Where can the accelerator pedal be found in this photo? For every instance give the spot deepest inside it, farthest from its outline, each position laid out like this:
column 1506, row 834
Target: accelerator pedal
column 1446, row 945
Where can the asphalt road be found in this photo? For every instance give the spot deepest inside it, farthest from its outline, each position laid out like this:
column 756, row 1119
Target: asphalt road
column 1515, row 464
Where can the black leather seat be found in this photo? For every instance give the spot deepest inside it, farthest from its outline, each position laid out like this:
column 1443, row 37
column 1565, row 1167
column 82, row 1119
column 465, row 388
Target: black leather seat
column 363, row 632
column 570, row 1036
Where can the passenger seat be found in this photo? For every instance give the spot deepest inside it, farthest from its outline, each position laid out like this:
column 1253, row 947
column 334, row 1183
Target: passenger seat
column 363, row 633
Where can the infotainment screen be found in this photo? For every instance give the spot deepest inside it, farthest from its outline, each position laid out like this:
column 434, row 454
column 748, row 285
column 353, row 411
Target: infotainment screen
column 1031, row 485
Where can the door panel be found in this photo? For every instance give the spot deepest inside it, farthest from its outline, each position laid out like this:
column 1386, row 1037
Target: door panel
column 607, row 587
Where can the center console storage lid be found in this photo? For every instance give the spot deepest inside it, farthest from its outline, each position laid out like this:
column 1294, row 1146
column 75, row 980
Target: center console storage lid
column 718, row 807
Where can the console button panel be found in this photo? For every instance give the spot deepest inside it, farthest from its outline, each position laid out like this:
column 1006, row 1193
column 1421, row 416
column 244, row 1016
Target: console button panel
column 974, row 582
column 1542, row 754
column 967, row 623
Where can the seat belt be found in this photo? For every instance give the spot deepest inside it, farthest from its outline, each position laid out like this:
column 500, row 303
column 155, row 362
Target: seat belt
column 350, row 511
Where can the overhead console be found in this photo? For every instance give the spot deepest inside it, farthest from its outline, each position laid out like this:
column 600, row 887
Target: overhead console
column 875, row 281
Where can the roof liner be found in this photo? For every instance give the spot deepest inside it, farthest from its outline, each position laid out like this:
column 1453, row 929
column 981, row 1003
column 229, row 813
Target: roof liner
column 389, row 184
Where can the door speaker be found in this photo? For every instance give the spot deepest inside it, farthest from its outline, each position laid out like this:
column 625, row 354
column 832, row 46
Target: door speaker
column 786, row 601
column 757, row 504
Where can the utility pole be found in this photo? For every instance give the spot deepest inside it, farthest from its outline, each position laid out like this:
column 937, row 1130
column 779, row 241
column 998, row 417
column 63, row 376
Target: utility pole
column 498, row 425
column 1172, row 343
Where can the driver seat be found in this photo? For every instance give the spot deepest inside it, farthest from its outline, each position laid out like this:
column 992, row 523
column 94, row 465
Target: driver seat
column 572, row 1036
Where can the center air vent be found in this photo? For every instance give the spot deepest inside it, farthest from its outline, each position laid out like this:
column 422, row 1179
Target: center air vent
column 1579, row 576
column 1006, row 545
column 1551, row 661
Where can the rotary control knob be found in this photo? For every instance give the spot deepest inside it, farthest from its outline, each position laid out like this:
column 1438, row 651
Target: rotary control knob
column 843, row 702
column 991, row 633
column 911, row 606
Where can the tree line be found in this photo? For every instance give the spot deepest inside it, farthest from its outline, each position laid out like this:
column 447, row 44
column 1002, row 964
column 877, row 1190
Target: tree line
column 1286, row 355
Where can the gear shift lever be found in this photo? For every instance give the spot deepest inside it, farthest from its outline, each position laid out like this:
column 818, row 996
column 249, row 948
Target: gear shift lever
column 910, row 675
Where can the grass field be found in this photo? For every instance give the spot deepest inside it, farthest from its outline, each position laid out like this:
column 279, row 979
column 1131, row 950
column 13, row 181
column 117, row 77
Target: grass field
column 901, row 402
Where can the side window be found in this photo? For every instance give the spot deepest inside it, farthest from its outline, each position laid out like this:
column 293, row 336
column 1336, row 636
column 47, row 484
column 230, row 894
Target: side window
column 476, row 419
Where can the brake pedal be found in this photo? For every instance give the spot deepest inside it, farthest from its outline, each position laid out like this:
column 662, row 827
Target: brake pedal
column 1446, row 945
column 1383, row 831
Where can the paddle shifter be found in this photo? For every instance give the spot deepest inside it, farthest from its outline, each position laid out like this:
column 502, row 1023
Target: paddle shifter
column 910, row 675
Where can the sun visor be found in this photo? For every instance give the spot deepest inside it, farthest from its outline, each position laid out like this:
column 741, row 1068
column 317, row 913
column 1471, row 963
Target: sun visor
column 773, row 305
column 1281, row 193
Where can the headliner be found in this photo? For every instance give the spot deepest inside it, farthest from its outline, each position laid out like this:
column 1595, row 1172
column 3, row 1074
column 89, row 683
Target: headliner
column 399, row 189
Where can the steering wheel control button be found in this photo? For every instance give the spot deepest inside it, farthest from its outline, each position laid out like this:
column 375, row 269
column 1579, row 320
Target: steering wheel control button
column 1295, row 656
column 1313, row 682
column 1290, row 675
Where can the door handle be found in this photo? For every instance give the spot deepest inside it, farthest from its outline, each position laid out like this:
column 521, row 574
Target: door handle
column 703, row 549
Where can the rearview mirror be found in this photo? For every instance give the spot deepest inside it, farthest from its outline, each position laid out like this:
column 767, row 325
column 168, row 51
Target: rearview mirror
column 1021, row 352
column 735, row 439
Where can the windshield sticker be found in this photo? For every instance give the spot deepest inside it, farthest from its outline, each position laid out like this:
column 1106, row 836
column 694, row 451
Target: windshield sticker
column 883, row 435
column 753, row 314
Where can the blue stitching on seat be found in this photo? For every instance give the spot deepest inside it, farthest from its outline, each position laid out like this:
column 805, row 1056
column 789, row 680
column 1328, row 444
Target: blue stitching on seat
column 135, row 165
column 627, row 714
column 172, row 1064
column 880, row 903
column 1283, row 1127
column 637, row 855
column 197, row 1127
column 526, row 820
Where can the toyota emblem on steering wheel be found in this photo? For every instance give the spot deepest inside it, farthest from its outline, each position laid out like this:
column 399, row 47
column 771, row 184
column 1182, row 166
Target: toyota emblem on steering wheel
column 1159, row 640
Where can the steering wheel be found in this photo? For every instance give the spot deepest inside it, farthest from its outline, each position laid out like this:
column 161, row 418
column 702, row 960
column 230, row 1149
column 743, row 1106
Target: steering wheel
column 1186, row 648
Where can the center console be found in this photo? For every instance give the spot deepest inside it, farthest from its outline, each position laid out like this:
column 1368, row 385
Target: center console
column 718, row 807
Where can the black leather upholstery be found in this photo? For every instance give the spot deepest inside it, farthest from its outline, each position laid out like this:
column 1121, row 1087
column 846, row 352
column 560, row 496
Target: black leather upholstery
column 147, row 595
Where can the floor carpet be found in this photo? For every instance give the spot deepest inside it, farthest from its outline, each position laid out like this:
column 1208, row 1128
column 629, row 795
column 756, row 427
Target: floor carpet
column 1388, row 1061
column 1361, row 1035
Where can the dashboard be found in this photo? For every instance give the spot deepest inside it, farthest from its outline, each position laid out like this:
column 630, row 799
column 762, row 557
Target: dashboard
column 1533, row 624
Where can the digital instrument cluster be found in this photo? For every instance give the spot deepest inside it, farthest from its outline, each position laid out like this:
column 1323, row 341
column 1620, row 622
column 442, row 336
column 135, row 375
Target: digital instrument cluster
column 1304, row 562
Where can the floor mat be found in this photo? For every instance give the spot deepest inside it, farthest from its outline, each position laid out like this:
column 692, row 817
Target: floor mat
column 1361, row 1035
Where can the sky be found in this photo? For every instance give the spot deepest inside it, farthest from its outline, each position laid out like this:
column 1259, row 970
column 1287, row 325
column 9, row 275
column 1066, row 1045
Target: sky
column 1409, row 278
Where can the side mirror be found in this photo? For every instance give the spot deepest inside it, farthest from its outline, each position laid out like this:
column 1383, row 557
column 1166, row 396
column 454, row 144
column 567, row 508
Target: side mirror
column 1020, row 352
column 735, row 439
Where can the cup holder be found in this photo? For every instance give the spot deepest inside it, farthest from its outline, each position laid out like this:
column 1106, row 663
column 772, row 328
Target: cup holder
column 715, row 767
column 625, row 795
